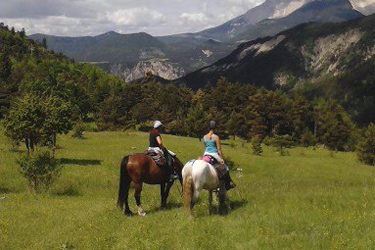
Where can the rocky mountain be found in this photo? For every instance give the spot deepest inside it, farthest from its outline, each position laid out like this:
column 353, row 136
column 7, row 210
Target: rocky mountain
column 164, row 69
column 278, row 9
column 306, row 52
column 316, row 11
column 270, row 9
column 366, row 7
column 334, row 60
column 128, row 55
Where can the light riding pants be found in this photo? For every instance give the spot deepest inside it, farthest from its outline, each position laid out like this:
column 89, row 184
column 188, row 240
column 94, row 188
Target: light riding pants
column 217, row 157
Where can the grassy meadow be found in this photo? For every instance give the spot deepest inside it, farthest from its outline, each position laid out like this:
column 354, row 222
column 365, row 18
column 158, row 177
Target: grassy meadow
column 311, row 199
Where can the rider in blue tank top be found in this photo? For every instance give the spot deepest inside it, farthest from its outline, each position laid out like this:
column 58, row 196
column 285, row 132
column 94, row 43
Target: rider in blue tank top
column 213, row 148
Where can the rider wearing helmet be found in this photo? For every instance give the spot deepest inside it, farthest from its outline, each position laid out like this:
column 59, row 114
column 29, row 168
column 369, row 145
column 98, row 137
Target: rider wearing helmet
column 213, row 148
column 156, row 144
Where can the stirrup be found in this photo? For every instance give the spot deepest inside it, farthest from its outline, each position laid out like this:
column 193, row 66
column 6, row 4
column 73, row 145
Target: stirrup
column 173, row 176
column 230, row 185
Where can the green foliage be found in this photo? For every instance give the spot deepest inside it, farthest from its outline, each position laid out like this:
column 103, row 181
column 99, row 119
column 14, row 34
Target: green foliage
column 196, row 121
column 112, row 114
column 282, row 143
column 78, row 129
column 233, row 124
column 335, row 128
column 40, row 168
column 229, row 162
column 308, row 139
column 36, row 120
column 366, row 146
column 256, row 146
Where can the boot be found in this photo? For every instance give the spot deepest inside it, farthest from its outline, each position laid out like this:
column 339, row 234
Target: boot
column 169, row 159
column 229, row 184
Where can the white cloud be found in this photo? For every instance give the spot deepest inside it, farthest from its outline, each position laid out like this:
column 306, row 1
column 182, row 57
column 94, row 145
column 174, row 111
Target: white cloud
column 92, row 17
column 136, row 16
column 194, row 18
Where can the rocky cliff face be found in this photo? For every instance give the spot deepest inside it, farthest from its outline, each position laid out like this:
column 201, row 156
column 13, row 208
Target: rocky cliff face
column 366, row 7
column 302, row 54
column 328, row 55
column 163, row 69
column 267, row 10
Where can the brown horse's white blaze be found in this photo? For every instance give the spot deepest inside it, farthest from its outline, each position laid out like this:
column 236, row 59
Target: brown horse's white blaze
column 140, row 169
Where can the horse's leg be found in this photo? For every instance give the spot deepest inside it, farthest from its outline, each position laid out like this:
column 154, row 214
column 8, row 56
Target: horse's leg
column 137, row 196
column 125, row 181
column 227, row 201
column 210, row 202
column 194, row 198
column 166, row 194
column 162, row 188
column 128, row 212
column 223, row 198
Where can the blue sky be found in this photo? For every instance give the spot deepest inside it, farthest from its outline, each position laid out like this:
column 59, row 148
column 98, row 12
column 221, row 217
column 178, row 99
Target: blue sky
column 92, row 17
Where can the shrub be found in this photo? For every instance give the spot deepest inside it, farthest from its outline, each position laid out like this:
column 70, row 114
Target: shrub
column 267, row 141
column 366, row 147
column 78, row 130
column 282, row 143
column 256, row 145
column 308, row 139
column 40, row 169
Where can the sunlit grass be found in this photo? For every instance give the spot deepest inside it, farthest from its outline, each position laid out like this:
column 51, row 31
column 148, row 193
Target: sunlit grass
column 311, row 199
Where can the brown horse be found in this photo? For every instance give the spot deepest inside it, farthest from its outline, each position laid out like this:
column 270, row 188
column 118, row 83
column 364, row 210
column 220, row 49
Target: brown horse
column 141, row 168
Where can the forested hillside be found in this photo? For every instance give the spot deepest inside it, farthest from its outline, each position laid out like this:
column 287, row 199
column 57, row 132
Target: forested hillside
column 240, row 110
column 27, row 66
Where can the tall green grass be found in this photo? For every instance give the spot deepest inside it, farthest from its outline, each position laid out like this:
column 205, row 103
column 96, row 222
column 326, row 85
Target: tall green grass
column 308, row 200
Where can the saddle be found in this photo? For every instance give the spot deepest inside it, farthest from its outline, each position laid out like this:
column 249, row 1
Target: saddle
column 220, row 168
column 158, row 157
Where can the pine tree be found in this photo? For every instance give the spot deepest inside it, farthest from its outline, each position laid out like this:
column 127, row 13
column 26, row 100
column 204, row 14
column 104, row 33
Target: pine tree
column 366, row 147
column 196, row 121
column 335, row 128
column 256, row 115
column 44, row 43
column 302, row 115
column 308, row 139
column 256, row 145
column 282, row 143
column 233, row 124
column 5, row 66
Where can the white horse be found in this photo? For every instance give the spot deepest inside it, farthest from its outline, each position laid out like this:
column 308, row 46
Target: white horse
column 198, row 175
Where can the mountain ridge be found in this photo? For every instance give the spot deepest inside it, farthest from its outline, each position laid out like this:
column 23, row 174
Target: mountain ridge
column 192, row 51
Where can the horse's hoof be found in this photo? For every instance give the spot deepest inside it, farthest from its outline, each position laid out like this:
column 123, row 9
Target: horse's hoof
column 129, row 214
column 142, row 214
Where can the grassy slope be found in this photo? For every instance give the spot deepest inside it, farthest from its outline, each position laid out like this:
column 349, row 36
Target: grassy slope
column 307, row 200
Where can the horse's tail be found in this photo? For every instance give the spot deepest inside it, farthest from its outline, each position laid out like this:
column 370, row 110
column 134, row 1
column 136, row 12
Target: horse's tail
column 124, row 179
column 188, row 191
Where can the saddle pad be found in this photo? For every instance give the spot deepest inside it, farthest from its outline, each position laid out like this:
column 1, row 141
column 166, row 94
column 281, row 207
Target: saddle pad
column 220, row 169
column 209, row 159
column 159, row 158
